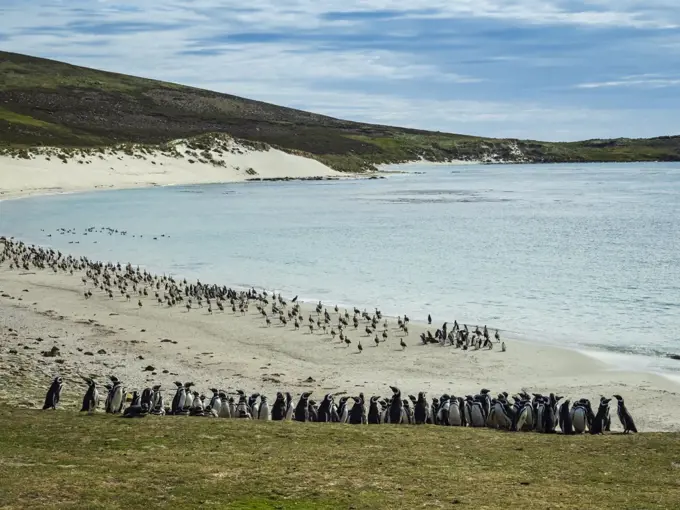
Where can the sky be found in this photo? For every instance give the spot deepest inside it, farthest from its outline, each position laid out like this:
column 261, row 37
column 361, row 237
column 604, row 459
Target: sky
column 540, row 69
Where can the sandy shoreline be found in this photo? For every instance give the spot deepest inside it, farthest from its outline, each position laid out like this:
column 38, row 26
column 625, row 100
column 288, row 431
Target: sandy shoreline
column 228, row 161
column 240, row 352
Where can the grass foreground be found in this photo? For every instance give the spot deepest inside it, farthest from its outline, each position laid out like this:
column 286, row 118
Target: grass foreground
column 66, row 459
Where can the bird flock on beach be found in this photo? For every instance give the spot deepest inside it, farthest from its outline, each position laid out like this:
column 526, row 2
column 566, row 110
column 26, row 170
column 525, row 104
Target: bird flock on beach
column 132, row 284
column 518, row 412
column 521, row 412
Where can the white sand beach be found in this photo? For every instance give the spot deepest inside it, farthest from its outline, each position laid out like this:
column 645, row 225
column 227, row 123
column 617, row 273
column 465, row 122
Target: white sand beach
column 156, row 344
column 50, row 171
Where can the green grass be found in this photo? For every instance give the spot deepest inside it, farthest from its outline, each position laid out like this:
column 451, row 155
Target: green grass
column 65, row 459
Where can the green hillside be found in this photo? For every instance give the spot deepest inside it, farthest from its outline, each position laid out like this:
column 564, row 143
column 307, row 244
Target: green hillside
column 44, row 102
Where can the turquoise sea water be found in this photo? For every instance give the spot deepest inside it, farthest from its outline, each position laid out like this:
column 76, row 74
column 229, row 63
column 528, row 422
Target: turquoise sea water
column 586, row 256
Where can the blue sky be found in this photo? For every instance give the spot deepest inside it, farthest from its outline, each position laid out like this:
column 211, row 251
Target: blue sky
column 542, row 69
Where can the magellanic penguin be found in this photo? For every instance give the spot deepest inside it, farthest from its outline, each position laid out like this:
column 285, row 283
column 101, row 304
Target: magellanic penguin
column 91, row 398
column 599, row 422
column 290, row 409
column 225, row 411
column 215, row 401
column 188, row 396
column 420, row 412
column 579, row 417
column 607, row 418
column 343, row 412
column 279, row 407
column 324, row 412
column 179, row 398
column 357, row 415
column 147, row 398
column 565, row 419
column 157, row 401
column 396, row 412
column 444, row 410
column 476, row 413
column 242, row 409
column 626, row 419
column 53, row 394
column 374, row 412
column 301, row 409
column 263, row 410
column 116, row 396
column 525, row 421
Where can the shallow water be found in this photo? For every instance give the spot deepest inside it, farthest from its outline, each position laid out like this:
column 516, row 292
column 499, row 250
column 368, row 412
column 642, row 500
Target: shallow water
column 580, row 255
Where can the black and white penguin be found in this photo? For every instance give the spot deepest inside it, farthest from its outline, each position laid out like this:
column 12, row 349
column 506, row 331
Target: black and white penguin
column 136, row 411
column 116, row 396
column 91, row 398
column 301, row 409
column 147, row 397
column 279, row 407
column 486, row 401
column 225, row 410
column 289, row 406
column 598, row 424
column 626, row 419
column 357, row 415
column 325, row 409
column 396, row 412
column 502, row 414
column 374, row 412
column 53, row 393
column 442, row 416
column 242, row 409
column 525, row 420
column 420, row 411
column 215, row 401
column 158, row 402
column 477, row 415
column 607, row 418
column 252, row 404
column 178, row 399
column 343, row 411
column 188, row 396
column 136, row 399
column 579, row 417
column 549, row 415
column 263, row 409
column 565, row 419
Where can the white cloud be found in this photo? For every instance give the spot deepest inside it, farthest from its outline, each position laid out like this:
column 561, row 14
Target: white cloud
column 653, row 81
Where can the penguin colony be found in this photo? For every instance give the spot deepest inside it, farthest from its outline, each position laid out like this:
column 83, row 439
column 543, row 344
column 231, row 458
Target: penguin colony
column 521, row 412
column 128, row 283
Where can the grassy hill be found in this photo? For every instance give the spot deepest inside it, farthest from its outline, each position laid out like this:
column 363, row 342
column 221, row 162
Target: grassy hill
column 44, row 102
column 68, row 460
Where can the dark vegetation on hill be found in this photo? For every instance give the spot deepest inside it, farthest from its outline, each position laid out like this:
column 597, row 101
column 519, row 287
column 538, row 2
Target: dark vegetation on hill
column 49, row 103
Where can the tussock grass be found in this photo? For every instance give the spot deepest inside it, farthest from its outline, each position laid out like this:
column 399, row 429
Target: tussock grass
column 66, row 459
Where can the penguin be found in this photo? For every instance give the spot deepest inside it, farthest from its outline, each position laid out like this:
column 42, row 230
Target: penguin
column 456, row 412
column 136, row 411
column 549, row 415
column 525, row 421
column 147, row 397
column 289, row 407
column 579, row 417
column 444, row 410
column 197, row 402
column 476, row 410
column 215, row 401
column 597, row 426
column 420, row 412
column 116, row 396
column 301, row 412
column 242, row 409
column 252, row 404
column 232, row 407
column 188, row 396
column 486, row 401
column 158, row 403
column 225, row 412
column 53, row 394
column 179, row 398
column 565, row 419
column 343, row 412
column 607, row 419
column 136, row 399
column 263, row 409
column 91, row 398
column 397, row 407
column 279, row 407
column 357, row 416
column 626, row 419
column 491, row 417
column 374, row 412
column 324, row 412
column 502, row 419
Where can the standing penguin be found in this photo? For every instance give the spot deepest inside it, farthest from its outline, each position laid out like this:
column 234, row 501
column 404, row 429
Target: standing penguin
column 215, row 401
column 179, row 398
column 565, row 419
column 374, row 414
column 53, row 394
column 116, row 396
column 301, row 412
column 549, row 415
column 279, row 408
column 289, row 406
column 343, row 412
column 157, row 401
column 396, row 411
column 420, row 412
column 626, row 419
column 324, row 413
column 579, row 417
column 263, row 410
column 91, row 398
column 225, row 411
column 242, row 409
column 599, row 422
column 357, row 415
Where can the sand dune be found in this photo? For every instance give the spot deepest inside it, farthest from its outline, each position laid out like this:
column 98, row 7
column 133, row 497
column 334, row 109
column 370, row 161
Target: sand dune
column 156, row 344
column 46, row 170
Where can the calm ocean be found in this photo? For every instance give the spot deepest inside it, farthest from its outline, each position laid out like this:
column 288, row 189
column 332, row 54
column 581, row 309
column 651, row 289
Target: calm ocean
column 586, row 256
